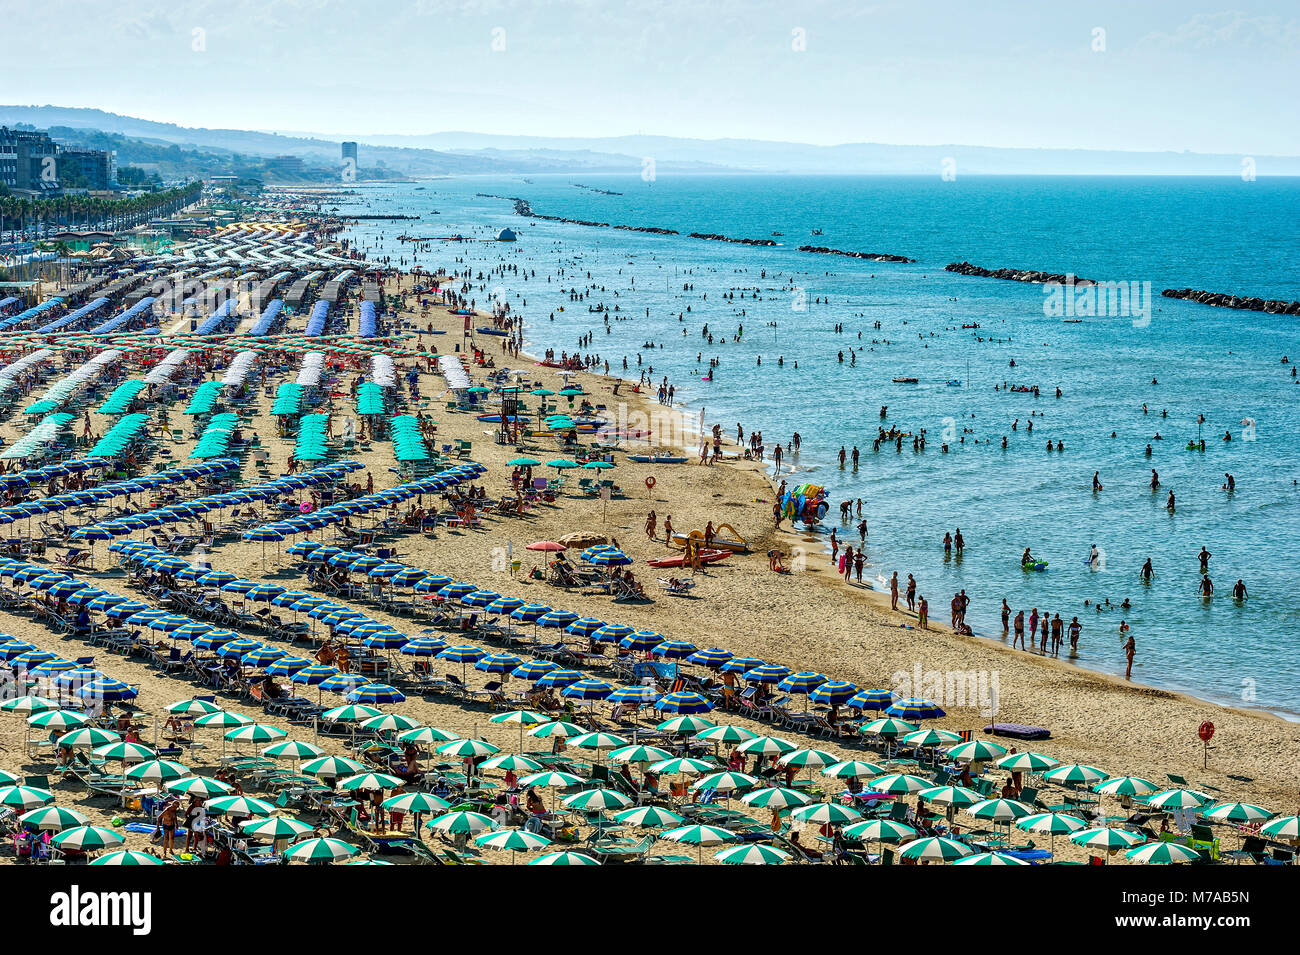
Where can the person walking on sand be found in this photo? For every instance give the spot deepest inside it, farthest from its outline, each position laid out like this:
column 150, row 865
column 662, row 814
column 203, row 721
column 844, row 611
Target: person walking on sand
column 911, row 592
column 668, row 530
column 923, row 615
column 651, row 525
column 1130, row 651
column 893, row 591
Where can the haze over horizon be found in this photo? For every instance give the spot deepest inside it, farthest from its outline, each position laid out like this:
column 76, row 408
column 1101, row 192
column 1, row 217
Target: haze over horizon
column 1118, row 77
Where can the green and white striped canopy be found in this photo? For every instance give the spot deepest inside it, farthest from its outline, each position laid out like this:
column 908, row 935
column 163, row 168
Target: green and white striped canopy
column 1051, row 823
column 820, row 813
column 816, row 758
column 127, row 857
column 197, row 786
column 1000, row 810
column 157, row 771
column 725, row 781
column 1106, row 838
column 87, row 838
column 556, row 728
column 57, row 720
column 332, row 766
column 427, row 735
column 275, row 827
column 256, row 733
column 125, row 752
column 775, row 797
column 597, row 799
column 1178, row 799
column 752, row 854
column 723, row 733
column 564, row 858
column 240, row 805
column 526, row 717
column 990, row 858
column 194, row 707
column 390, row 722
column 1125, row 786
column 899, row 784
column 977, row 750
column 321, row 850
column 351, row 713
column 28, row 704
column 699, row 835
column 87, row 737
column 685, row 724
column 684, row 765
column 853, row 768
column 882, row 830
column 888, row 726
column 1161, row 853
column 1076, row 774
column 369, row 782
column 222, row 719
column 423, row 803
column 767, row 745
column 648, row 817
column 931, row 737
column 53, row 818
column 1025, row 762
column 1287, row 827
column 958, row 796
column 460, row 821
column 514, row 762
column 25, row 797
column 516, row 840
column 292, row 749
column 639, row 754
column 467, row 747
column 1237, row 812
column 596, row 741
column 552, row 779
column 934, row 849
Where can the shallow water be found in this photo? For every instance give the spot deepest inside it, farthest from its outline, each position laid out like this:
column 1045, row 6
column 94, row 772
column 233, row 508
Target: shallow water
column 1223, row 235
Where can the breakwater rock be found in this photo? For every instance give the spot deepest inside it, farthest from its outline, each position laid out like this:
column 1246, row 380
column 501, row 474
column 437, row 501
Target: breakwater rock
column 1016, row 275
column 714, row 237
column 869, row 256
column 1273, row 306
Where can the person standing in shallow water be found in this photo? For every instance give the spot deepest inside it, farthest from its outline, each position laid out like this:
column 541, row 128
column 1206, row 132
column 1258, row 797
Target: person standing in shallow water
column 1130, row 651
column 911, row 592
column 893, row 591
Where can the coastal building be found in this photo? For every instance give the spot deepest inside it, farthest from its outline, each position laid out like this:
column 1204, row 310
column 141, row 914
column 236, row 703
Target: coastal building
column 94, row 169
column 350, row 152
column 287, row 167
column 28, row 162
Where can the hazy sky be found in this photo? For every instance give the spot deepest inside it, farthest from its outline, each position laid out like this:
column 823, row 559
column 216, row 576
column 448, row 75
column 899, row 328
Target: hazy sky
column 1150, row 74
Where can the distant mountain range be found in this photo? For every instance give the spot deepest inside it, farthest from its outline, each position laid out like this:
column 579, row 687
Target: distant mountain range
column 463, row 153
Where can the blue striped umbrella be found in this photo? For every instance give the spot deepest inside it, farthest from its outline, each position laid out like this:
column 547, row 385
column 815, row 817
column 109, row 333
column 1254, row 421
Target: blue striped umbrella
column 584, row 626
column 107, row 690
column 833, row 693
column 871, row 699
column 456, row 591
column 684, row 703
column 636, row 695
column 302, row 548
column 559, row 678
column 914, row 709
column 557, row 618
column 217, row 578
column 343, row 682
column 431, row 584
column 215, row 638
column 386, row 640
column 712, row 657
column 170, row 622
column 191, row 573
column 237, row 648
column 613, row 632
column 122, row 609
column 408, row 577
column 314, row 675
column 498, row 663
column 479, row 598
column 461, row 654
column 741, row 664
column 51, row 667
column 291, row 597
column 264, row 592
column 530, row 613
column 610, row 558
column 423, row 647
column 767, row 673
column 318, row 555
column 641, row 640
column 67, row 588
column 47, row 580
column 344, row 558
column 674, row 649
column 85, row 596
column 534, row 669
column 365, row 563
column 142, row 618
column 504, row 605
column 238, row 586
column 288, row 666
column 262, row 656
column 386, row 570
column 335, row 617
column 804, row 682
column 373, row 693
column 14, row 649
column 587, row 690
column 31, row 658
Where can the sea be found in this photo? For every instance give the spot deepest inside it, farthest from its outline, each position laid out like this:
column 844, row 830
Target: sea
column 812, row 343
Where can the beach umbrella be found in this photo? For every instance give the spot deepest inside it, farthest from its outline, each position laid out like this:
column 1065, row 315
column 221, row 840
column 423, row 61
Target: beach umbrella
column 460, row 821
column 1285, row 827
column 369, row 782
column 804, row 682
column 1052, row 823
column 335, row 766
column 344, row 683
column 914, row 709
column 726, row 733
column 775, row 797
column 724, row 782
column 1237, row 812
column 126, row 752
column 1106, row 838
column 596, row 741
column 752, row 854
column 560, row 678
column 934, row 849
column 197, row 786
column 1075, row 774
column 513, row 762
column 222, row 718
column 292, row 749
column 822, row 813
column 977, row 750
column 127, row 857
column 564, row 858
column 1161, row 853
column 639, row 754
column 685, row 724
column 583, row 626
column 240, row 805
column 157, row 771
column 930, row 737
column 28, row 704
column 648, row 817
column 1000, row 810
column 389, row 723
column 1178, row 799
column 766, row 673
column 881, row 830
column 427, row 735
column 833, row 693
column 58, row 720
column 107, row 690
column 372, row 693
column 418, row 804
column 767, row 746
column 990, row 858
column 699, row 836
column 1125, row 786
column 899, row 784
column 684, row 702
column 288, row 666
column 467, row 748
column 321, row 851
column 255, row 733
column 25, row 797
column 957, row 796
column 52, row 818
column 522, row 717
column 87, row 737
column 275, row 828
column 889, row 727
column 1025, row 762
column 498, row 663
column 712, row 657
column 503, row 605
column 87, row 838
column 612, row 632
column 686, row 765
column 639, row 641
column 556, row 728
column 516, row 840
column 637, row 695
column 557, row 619
column 853, row 768
column 353, row 713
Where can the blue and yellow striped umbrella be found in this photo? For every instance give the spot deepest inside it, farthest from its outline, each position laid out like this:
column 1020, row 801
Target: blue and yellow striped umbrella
column 833, row 693
column 767, row 673
column 589, row 689
column 804, row 682
column 684, row 703
column 498, row 663
column 559, row 678
column 674, row 649
column 871, row 699
column 711, row 657
column 613, row 632
column 557, row 618
column 375, row 693
column 534, row 669
column 915, row 708
column 640, row 640
column 742, row 665
column 584, row 626
column 314, row 675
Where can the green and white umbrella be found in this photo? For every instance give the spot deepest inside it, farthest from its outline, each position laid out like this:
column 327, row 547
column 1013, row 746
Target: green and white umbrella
column 293, row 749
column 700, row 836
column 57, row 720
column 514, row 762
column 1178, row 799
column 370, row 862
column 467, row 748
column 125, row 752
column 767, row 745
column 25, row 797
column 639, row 754
column 564, row 858
column 194, row 707
column 934, row 849
column 1106, row 838
column 53, row 818
column 977, row 750
column 752, row 854
column 321, row 851
column 1162, row 853
column 256, row 733
column 724, row 782
column 596, row 741
column 990, row 858
column 369, row 782
column 416, row 803
column 352, row 713
column 1075, row 774
column 685, row 724
column 332, row 766
column 853, row 769
column 460, row 821
column 222, row 719
column 684, row 765
column 1237, row 812
column 557, row 728
column 390, row 723
column 197, row 786
column 598, row 799
column 648, row 817
column 1000, row 810
column 899, row 784
column 1025, row 762
column 127, row 857
column 552, row 779
column 524, row 718
column 724, row 733
column 516, row 840
column 87, row 838
column 1287, row 827
column 1051, row 823
column 28, row 704
column 427, row 736
column 931, row 737
column 775, row 797
column 240, row 805
column 958, row 796
column 275, row 828
column 811, row 758
column 158, row 771
column 1125, row 786
column 881, row 830
column 820, row 813
column 87, row 737
column 888, row 726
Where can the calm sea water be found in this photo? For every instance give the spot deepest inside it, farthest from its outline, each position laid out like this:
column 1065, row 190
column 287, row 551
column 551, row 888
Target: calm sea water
column 1221, row 234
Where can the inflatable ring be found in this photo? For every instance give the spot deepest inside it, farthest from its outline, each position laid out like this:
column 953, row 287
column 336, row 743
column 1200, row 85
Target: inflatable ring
column 305, row 507
column 650, row 483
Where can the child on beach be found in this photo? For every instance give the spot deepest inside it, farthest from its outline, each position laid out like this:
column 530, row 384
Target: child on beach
column 923, row 615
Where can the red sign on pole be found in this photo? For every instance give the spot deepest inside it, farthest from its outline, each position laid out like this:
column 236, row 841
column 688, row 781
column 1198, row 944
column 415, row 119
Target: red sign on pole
column 1206, row 731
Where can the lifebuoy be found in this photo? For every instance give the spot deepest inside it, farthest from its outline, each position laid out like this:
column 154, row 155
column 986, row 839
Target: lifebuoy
column 304, row 507
column 650, row 482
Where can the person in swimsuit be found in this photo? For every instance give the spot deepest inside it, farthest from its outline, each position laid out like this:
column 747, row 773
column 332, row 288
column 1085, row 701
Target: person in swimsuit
column 167, row 822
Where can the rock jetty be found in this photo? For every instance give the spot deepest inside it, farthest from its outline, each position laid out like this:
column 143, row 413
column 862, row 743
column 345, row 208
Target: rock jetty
column 1274, row 306
column 869, row 256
